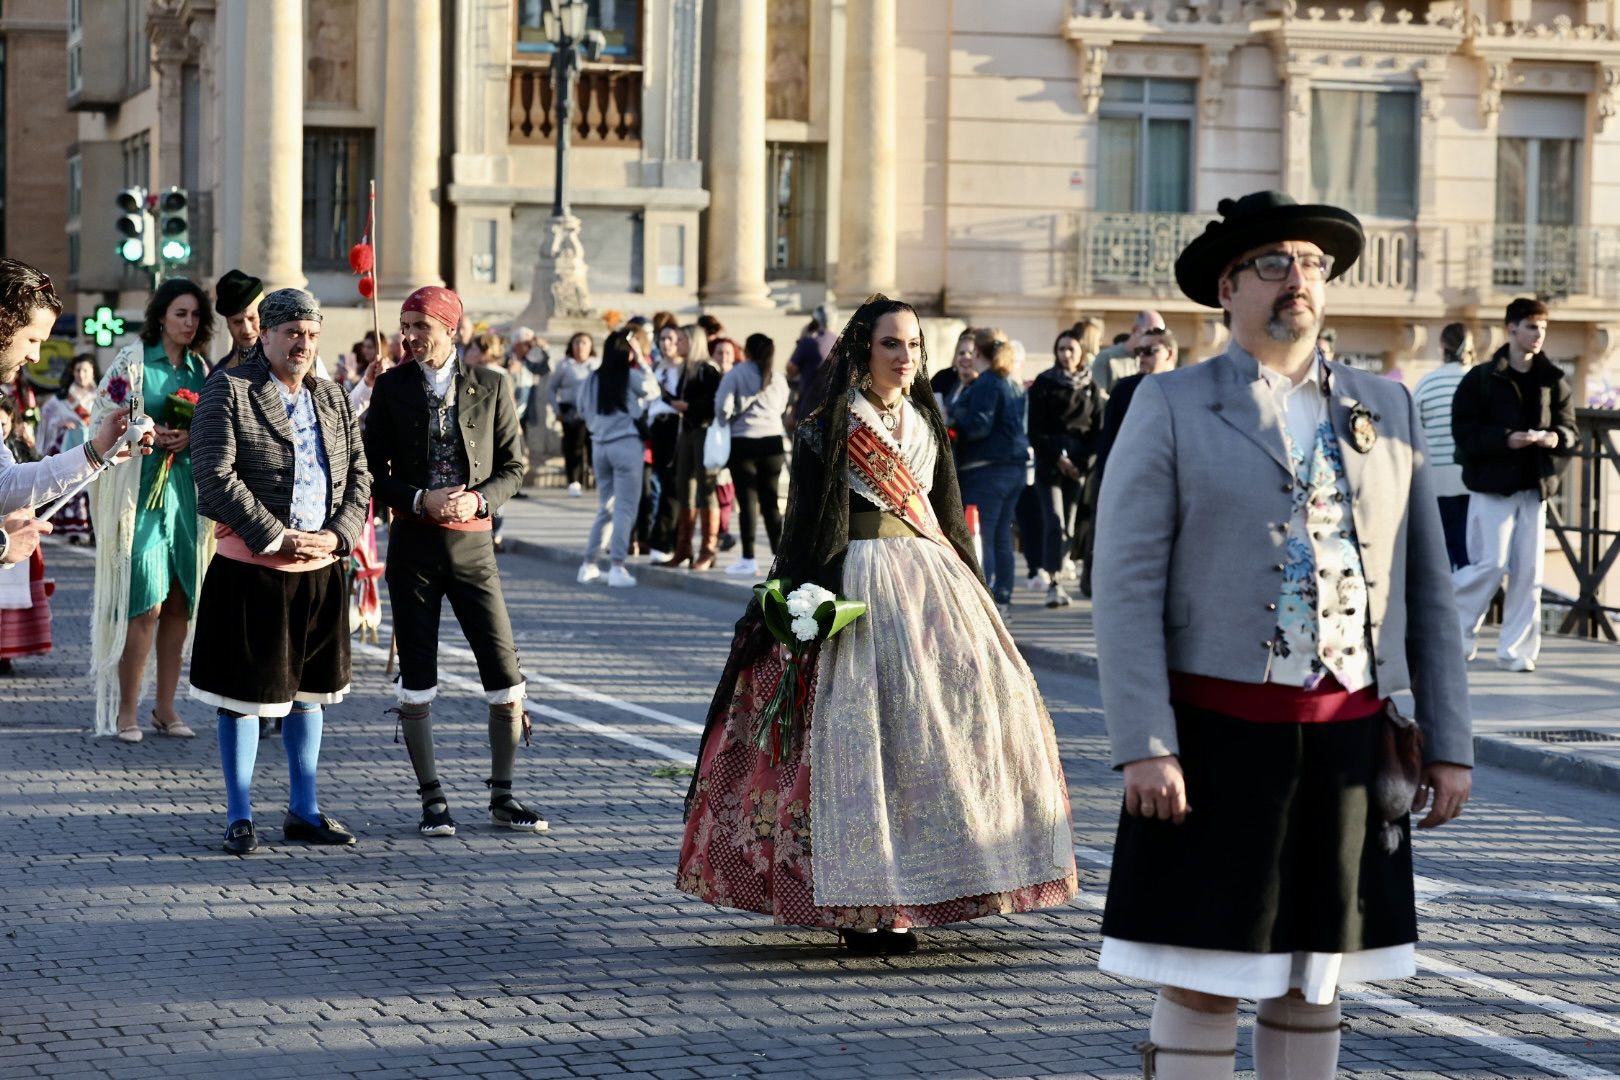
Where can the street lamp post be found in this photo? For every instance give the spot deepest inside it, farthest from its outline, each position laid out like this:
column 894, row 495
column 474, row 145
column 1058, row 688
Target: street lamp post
column 560, row 276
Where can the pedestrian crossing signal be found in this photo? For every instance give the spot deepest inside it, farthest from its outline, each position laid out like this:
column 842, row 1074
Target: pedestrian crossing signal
column 135, row 225
column 174, row 226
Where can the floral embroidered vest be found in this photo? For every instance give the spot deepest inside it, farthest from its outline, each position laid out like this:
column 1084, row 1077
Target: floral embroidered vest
column 447, row 457
column 1322, row 614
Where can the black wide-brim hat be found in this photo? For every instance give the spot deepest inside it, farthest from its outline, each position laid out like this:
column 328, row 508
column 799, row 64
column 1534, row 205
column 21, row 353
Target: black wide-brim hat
column 1265, row 217
column 235, row 292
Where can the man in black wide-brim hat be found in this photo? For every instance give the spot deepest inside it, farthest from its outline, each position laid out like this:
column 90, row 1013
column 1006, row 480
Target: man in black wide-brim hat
column 1270, row 569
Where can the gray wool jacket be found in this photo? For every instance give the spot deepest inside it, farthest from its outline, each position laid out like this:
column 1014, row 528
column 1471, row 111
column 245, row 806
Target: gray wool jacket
column 1189, row 552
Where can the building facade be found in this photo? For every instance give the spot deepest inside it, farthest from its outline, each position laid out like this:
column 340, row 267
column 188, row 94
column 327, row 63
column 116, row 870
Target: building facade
column 1016, row 164
column 34, row 135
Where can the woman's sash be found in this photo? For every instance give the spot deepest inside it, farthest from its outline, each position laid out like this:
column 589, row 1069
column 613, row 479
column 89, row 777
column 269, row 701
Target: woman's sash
column 887, row 474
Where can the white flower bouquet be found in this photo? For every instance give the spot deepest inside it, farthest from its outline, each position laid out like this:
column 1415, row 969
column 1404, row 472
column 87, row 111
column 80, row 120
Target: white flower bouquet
column 798, row 619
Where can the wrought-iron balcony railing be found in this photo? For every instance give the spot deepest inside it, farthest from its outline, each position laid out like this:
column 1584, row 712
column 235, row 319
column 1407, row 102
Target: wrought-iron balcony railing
column 607, row 107
column 1557, row 261
column 1132, row 254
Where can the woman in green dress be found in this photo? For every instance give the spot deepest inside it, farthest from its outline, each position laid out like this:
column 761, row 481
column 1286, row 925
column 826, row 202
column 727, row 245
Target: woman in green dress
column 152, row 548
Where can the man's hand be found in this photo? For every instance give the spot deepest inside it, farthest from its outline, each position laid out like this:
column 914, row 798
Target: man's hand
column 1068, row 468
column 376, row 368
column 112, row 428
column 22, row 534
column 1450, row 785
column 451, row 504
column 305, row 546
column 678, row 406
column 1546, row 439
column 1518, row 440
column 1156, row 788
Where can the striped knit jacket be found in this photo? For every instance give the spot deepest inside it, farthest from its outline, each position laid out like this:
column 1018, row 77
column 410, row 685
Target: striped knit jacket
column 242, row 456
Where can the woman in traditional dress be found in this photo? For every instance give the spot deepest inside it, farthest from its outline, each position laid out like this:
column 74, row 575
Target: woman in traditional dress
column 937, row 793
column 64, row 424
column 152, row 549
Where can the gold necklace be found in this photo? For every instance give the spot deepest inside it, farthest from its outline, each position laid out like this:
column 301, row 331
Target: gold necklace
column 889, row 415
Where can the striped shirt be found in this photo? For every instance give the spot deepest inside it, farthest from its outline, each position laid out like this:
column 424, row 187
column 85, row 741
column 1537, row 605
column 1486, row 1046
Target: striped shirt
column 1434, row 395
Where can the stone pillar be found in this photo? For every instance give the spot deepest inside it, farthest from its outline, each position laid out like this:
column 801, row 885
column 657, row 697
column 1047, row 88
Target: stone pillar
column 271, row 162
column 408, row 173
column 866, row 234
column 736, row 260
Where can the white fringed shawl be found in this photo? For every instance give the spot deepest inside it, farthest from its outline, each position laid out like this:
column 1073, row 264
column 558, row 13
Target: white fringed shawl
column 112, row 510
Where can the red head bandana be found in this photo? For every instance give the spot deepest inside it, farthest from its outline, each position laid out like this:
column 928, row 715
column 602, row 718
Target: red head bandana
column 436, row 303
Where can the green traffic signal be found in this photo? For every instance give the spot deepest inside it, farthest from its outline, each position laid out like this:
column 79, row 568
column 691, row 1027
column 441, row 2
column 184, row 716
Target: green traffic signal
column 175, row 251
column 132, row 250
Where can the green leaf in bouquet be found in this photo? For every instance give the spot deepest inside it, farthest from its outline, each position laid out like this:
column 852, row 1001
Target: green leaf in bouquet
column 777, row 619
column 833, row 615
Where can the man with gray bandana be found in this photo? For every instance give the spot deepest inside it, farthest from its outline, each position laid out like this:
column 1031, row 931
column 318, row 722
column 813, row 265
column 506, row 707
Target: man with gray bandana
column 281, row 469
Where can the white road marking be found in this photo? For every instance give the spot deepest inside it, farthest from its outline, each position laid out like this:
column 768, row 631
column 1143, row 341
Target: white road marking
column 606, row 731
column 1458, row 1028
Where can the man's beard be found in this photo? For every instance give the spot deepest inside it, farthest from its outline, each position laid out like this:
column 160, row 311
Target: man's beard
column 1279, row 331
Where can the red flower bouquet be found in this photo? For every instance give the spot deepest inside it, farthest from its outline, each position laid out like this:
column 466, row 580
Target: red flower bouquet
column 178, row 410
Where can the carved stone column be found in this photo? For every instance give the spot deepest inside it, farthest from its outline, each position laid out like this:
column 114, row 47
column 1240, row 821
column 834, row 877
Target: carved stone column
column 1295, row 73
column 736, row 260
column 269, row 173
column 408, row 175
column 866, row 236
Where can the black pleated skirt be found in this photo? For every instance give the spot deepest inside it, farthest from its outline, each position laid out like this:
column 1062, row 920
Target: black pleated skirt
column 268, row 636
column 1280, row 852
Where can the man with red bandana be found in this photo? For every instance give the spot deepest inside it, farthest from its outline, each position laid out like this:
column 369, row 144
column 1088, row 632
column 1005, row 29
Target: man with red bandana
column 443, row 445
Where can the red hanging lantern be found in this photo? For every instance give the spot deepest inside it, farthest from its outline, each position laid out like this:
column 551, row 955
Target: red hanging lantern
column 368, row 285
column 361, row 258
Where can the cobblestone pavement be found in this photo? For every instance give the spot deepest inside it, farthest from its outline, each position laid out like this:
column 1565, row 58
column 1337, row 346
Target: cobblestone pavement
column 134, row 947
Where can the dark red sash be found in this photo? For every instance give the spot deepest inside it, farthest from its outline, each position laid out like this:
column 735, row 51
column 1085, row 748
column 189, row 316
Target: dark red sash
column 887, row 474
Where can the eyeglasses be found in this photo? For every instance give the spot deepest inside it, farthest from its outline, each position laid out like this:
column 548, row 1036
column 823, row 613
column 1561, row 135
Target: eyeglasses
column 1277, row 265
column 1144, row 351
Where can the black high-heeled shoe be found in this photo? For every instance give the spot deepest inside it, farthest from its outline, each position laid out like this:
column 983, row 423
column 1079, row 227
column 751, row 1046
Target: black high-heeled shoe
column 861, row 944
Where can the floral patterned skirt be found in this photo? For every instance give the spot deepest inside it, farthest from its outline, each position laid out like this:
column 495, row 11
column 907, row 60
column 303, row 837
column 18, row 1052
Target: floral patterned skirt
column 747, row 842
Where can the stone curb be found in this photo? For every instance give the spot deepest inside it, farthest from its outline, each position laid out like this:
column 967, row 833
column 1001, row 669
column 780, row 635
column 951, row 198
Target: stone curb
column 1503, row 751
column 1552, row 761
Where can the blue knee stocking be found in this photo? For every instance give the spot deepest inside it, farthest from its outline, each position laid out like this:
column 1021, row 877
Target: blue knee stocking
column 301, row 737
column 238, row 750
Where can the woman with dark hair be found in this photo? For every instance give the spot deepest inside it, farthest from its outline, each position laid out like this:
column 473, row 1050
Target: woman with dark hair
column 694, row 482
column 153, row 549
column 663, row 434
column 563, row 392
column 1065, row 413
column 64, row 423
column 611, row 401
column 752, row 398
column 932, row 775
column 992, row 450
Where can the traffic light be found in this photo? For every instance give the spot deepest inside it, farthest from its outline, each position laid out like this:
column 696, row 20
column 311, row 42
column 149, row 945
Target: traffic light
column 174, row 226
column 135, row 226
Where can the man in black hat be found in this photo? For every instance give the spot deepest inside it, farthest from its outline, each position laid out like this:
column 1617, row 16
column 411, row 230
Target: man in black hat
column 236, row 297
column 1270, row 569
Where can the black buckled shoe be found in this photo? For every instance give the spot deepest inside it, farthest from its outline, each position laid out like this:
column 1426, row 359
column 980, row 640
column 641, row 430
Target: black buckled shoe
column 327, row 831
column 506, row 812
column 241, row 838
column 436, row 819
column 896, row 942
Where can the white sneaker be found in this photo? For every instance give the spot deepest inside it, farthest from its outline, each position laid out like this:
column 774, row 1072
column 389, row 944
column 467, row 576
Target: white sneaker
column 743, row 568
column 1068, row 572
column 620, row 578
column 575, row 490
column 1516, row 663
column 588, row 573
column 1039, row 581
column 1473, row 651
column 656, row 556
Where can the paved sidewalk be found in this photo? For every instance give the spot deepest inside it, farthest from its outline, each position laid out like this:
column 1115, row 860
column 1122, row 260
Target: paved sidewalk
column 1562, row 721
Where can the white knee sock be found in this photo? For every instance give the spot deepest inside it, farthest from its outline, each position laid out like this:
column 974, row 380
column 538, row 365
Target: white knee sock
column 1185, row 1044
column 1296, row 1040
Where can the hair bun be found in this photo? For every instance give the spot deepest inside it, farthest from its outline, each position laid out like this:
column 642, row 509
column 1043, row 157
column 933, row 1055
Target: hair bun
column 1225, row 207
